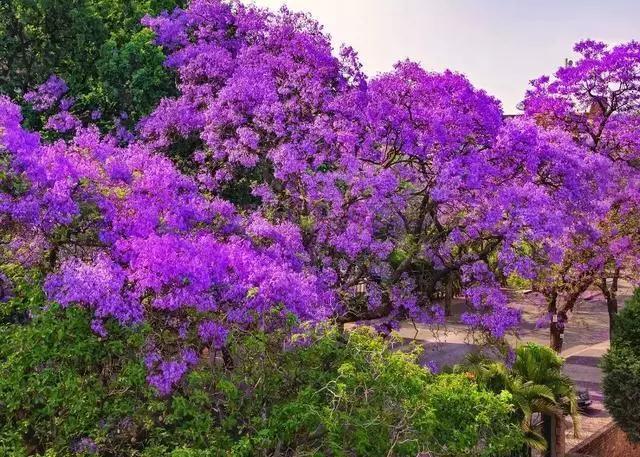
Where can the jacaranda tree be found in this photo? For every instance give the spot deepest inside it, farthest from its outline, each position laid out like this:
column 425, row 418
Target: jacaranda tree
column 275, row 195
column 597, row 102
column 396, row 183
column 302, row 191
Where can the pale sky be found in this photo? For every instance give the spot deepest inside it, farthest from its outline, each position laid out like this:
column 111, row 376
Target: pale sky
column 499, row 44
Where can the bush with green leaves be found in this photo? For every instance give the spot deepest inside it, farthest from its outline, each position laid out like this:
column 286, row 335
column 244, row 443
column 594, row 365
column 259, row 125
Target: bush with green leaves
column 97, row 46
column 621, row 365
column 379, row 402
column 64, row 391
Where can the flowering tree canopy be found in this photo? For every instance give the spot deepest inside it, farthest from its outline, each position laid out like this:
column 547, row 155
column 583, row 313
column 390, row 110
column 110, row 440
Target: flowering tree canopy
column 281, row 185
column 597, row 102
column 395, row 182
column 120, row 230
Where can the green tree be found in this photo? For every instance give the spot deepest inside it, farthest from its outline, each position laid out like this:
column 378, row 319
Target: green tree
column 621, row 365
column 97, row 46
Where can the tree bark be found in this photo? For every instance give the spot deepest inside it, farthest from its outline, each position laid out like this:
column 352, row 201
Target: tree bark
column 559, row 433
column 611, row 295
column 559, row 316
column 556, row 335
column 448, row 297
column 548, row 431
column 553, row 430
column 556, row 329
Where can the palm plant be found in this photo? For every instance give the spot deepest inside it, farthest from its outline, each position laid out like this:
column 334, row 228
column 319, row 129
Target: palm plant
column 543, row 366
column 536, row 384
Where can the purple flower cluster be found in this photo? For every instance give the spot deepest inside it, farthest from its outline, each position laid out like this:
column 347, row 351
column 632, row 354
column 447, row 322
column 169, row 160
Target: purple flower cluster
column 6, row 288
column 214, row 333
column 433, row 367
column 144, row 243
column 168, row 376
column 361, row 167
column 62, row 122
column 84, row 445
column 48, row 94
column 596, row 100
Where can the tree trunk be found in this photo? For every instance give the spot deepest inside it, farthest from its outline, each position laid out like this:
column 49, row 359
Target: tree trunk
column 548, row 431
column 553, row 430
column 559, row 433
column 448, row 297
column 559, row 316
column 611, row 295
column 556, row 328
column 556, row 335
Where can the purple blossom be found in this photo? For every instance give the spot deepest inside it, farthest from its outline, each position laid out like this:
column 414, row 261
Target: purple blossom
column 62, row 122
column 84, row 445
column 6, row 288
column 183, row 331
column 433, row 367
column 214, row 333
column 595, row 101
column 365, row 196
column 510, row 358
column 167, row 376
column 189, row 356
column 151, row 359
column 66, row 103
column 47, row 94
column 544, row 320
column 97, row 327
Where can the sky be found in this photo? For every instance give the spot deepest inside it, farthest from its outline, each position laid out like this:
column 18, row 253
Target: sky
column 499, row 44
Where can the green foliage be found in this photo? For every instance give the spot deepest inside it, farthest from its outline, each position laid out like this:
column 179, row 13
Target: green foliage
column 518, row 282
column 28, row 295
column 377, row 400
column 543, row 366
column 58, row 382
column 627, row 324
column 130, row 76
column 535, row 382
column 621, row 365
column 97, row 46
column 325, row 393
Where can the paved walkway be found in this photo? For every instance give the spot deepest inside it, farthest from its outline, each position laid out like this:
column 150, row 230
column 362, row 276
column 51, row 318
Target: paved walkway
column 582, row 365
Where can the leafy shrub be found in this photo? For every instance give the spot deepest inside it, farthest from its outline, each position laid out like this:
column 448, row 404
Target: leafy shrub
column 621, row 365
column 59, row 383
column 64, row 391
column 376, row 400
column 97, row 46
